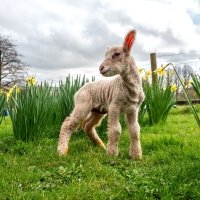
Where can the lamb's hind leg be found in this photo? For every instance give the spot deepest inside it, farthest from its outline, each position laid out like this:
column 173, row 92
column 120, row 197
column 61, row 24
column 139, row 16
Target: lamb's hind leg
column 134, row 131
column 69, row 126
column 92, row 120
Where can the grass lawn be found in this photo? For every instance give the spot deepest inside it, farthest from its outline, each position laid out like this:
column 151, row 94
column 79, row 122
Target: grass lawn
column 170, row 168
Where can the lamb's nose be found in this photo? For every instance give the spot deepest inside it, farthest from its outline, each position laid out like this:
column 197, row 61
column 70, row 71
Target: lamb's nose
column 101, row 68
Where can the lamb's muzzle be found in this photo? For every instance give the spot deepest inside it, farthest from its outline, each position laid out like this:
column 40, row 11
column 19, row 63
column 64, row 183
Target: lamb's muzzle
column 124, row 94
column 101, row 68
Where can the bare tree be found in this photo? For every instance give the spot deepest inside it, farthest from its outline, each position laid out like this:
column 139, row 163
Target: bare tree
column 169, row 76
column 12, row 68
column 186, row 72
column 176, row 80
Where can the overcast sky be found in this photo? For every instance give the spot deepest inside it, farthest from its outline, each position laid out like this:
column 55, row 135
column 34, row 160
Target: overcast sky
column 58, row 37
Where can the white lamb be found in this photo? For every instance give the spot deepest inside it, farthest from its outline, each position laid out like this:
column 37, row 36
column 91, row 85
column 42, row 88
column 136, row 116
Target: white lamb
column 94, row 100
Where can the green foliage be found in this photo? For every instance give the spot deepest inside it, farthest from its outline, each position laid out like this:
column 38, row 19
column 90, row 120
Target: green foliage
column 63, row 100
column 158, row 102
column 196, row 88
column 65, row 95
column 196, row 84
column 2, row 104
column 31, row 111
column 41, row 108
column 142, row 111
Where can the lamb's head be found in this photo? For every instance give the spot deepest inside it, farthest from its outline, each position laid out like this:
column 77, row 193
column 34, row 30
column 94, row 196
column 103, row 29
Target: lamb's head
column 118, row 57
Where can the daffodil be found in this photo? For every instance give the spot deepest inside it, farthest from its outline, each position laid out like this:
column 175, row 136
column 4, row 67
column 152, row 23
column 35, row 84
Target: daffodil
column 174, row 87
column 17, row 90
column 171, row 73
column 148, row 73
column 144, row 78
column 186, row 86
column 190, row 82
column 31, row 80
column 140, row 70
column 183, row 80
column 160, row 71
column 8, row 94
column 1, row 92
column 11, row 90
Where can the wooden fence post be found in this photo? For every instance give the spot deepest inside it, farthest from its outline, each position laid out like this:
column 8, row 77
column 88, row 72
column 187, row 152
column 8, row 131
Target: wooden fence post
column 153, row 67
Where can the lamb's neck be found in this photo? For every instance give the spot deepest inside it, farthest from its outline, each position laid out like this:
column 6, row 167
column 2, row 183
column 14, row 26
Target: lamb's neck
column 131, row 79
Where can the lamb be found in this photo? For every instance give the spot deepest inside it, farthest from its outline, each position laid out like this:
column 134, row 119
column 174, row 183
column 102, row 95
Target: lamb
column 122, row 94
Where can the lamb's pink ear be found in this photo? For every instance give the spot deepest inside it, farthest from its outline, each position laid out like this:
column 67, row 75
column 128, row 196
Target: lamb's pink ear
column 128, row 41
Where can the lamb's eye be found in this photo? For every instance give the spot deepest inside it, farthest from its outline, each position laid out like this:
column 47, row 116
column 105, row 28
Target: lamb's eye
column 117, row 54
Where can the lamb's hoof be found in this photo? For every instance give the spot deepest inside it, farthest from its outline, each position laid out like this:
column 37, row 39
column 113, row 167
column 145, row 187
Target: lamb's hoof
column 63, row 152
column 112, row 152
column 136, row 157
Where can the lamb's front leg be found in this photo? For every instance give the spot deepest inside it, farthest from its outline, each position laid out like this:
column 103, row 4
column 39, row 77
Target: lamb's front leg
column 134, row 131
column 114, row 132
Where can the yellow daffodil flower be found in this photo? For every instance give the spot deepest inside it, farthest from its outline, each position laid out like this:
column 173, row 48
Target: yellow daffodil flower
column 140, row 70
column 173, row 88
column 11, row 90
column 31, row 80
column 160, row 71
column 183, row 80
column 171, row 73
column 17, row 90
column 148, row 73
column 8, row 94
column 144, row 78
column 190, row 82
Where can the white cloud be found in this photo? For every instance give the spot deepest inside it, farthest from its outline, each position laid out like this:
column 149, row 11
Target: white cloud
column 58, row 37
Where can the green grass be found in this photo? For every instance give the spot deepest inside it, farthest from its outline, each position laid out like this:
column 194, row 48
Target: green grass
column 169, row 168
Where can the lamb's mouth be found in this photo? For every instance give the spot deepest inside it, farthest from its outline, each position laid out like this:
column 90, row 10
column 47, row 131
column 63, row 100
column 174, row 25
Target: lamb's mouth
column 104, row 72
